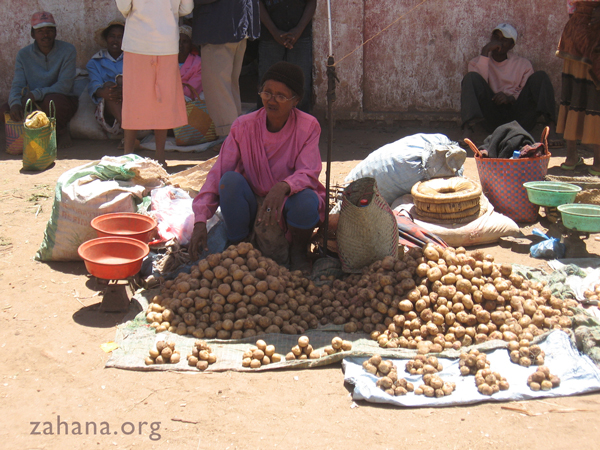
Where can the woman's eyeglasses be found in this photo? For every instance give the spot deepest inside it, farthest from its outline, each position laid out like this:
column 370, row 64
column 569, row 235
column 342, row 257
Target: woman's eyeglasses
column 266, row 96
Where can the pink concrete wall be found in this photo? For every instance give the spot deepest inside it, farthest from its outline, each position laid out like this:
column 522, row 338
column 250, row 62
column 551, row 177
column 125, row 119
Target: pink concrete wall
column 413, row 70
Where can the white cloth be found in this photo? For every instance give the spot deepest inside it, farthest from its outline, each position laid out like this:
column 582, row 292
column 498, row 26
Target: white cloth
column 152, row 26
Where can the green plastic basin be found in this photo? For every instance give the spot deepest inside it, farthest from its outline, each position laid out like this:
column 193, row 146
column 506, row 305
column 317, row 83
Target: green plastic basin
column 581, row 217
column 551, row 193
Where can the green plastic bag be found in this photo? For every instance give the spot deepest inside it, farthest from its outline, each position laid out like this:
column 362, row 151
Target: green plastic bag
column 39, row 144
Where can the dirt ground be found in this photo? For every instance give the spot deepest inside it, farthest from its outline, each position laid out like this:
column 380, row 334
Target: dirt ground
column 53, row 368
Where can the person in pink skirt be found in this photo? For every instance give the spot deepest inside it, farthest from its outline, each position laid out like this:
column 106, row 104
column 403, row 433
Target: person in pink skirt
column 152, row 91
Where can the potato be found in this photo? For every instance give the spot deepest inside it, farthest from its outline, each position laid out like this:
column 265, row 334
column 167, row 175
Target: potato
column 336, row 343
column 303, row 341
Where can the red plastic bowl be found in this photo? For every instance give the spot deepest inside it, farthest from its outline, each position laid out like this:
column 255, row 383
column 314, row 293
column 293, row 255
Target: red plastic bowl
column 113, row 258
column 132, row 225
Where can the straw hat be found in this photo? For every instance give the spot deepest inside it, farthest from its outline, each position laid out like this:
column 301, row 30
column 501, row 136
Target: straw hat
column 98, row 35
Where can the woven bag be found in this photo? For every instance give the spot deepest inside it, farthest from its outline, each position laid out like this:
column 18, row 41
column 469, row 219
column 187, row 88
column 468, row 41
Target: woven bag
column 502, row 181
column 365, row 233
column 200, row 127
column 14, row 135
column 39, row 144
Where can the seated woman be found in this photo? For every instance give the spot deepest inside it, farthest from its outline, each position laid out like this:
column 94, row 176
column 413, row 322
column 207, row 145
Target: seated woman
column 268, row 171
column 189, row 63
column 105, row 70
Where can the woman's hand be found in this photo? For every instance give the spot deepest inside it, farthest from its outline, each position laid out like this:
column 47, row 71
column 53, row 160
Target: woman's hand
column 271, row 209
column 199, row 240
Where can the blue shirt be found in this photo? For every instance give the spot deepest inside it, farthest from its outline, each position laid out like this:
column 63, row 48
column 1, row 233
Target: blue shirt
column 223, row 21
column 53, row 73
column 102, row 68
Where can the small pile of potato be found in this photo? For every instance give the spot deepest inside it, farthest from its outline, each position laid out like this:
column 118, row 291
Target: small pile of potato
column 261, row 355
column 338, row 345
column 164, row 353
column 423, row 364
column 434, row 386
column 393, row 385
column 202, row 356
column 593, row 295
column 387, row 373
column 542, row 379
column 471, row 362
column 524, row 354
column 375, row 365
column 489, row 383
column 303, row 350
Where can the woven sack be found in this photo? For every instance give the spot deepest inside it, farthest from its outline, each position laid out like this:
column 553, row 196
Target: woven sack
column 200, row 127
column 502, row 181
column 39, row 144
column 368, row 233
column 14, row 135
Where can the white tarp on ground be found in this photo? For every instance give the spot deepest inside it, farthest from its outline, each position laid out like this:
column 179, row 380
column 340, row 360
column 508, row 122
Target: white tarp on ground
column 577, row 373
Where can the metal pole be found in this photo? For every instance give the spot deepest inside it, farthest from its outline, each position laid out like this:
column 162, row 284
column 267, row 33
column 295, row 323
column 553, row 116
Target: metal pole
column 331, row 79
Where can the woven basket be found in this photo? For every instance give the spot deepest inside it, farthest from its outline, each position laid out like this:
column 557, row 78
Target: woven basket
column 502, row 181
column 590, row 187
column 368, row 233
column 456, row 196
column 454, row 218
column 14, row 135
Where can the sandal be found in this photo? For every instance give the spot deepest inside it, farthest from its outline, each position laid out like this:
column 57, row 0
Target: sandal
column 593, row 172
column 581, row 162
column 556, row 143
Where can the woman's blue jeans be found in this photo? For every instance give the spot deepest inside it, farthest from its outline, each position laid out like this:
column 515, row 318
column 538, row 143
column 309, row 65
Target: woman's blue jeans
column 239, row 207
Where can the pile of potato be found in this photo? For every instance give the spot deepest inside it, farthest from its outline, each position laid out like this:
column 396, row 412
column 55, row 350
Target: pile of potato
column 260, row 355
column 422, row 364
column 303, row 350
column 542, row 379
column 392, row 385
column 434, row 386
column 338, row 345
column 592, row 294
column 489, row 383
column 164, row 353
column 376, row 366
column 387, row 373
column 457, row 299
column 202, row 356
column 473, row 361
column 430, row 299
column 237, row 294
column 524, row 354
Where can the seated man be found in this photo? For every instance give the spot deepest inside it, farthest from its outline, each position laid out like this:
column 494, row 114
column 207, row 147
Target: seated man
column 45, row 71
column 501, row 87
column 105, row 70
